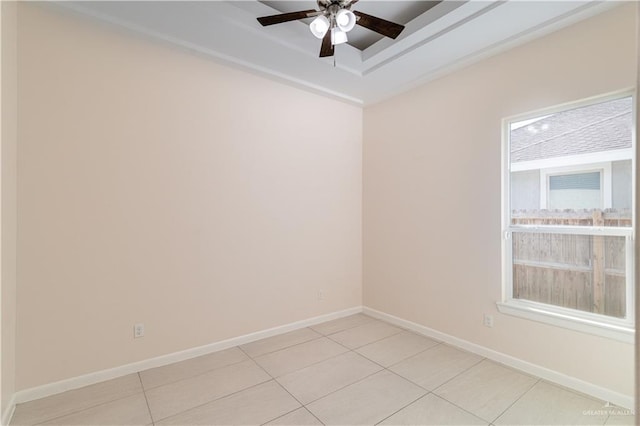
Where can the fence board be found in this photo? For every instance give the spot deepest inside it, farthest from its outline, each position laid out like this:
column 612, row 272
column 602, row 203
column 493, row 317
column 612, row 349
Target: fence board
column 574, row 271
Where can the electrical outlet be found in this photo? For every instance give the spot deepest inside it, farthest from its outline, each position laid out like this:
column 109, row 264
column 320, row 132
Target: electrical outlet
column 320, row 295
column 487, row 320
column 138, row 330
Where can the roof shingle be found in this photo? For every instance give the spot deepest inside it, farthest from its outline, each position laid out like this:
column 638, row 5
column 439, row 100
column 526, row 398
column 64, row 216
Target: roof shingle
column 595, row 128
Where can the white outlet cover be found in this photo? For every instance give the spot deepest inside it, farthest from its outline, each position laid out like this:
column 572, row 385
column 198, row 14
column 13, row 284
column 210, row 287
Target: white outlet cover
column 488, row 320
column 138, row 330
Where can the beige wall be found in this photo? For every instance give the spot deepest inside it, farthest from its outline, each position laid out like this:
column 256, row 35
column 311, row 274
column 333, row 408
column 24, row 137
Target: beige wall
column 432, row 250
column 158, row 187
column 8, row 123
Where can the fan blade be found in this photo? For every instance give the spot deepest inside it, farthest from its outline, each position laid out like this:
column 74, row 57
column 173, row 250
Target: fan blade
column 327, row 47
column 285, row 17
column 379, row 25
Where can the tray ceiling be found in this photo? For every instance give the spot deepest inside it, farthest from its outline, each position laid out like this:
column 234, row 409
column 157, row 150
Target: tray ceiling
column 439, row 37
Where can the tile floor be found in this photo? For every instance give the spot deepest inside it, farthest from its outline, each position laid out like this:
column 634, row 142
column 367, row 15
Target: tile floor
column 354, row 370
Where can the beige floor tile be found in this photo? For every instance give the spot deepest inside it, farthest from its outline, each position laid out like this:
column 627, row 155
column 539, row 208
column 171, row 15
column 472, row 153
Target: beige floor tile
column 367, row 401
column 155, row 377
column 252, row 406
column 432, row 410
column 132, row 410
column 341, row 324
column 395, row 348
column 328, row 376
column 435, row 366
column 167, row 400
column 299, row 417
column 546, row 404
column 299, row 356
column 486, row 389
column 364, row 334
column 75, row 400
column 275, row 343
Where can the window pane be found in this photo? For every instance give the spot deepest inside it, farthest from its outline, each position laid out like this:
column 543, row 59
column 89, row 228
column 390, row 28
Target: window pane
column 582, row 272
column 555, row 165
column 575, row 181
column 605, row 126
column 575, row 191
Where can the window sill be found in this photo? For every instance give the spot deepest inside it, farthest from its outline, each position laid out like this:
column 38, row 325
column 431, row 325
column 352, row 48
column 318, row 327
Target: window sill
column 537, row 312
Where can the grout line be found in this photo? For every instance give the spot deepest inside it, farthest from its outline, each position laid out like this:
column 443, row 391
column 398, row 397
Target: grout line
column 348, row 349
column 286, row 390
column 319, row 336
column 282, row 415
column 195, row 375
column 299, row 402
column 249, row 358
column 459, row 374
column 371, row 319
column 315, row 363
column 189, row 376
column 215, row 399
column 443, row 383
column 514, row 402
column 461, row 408
column 340, row 388
column 403, row 407
column 573, row 391
column 258, row 365
column 382, row 367
column 438, row 344
column 224, row 396
column 366, row 344
column 145, row 398
column 299, row 344
column 82, row 409
column 310, row 412
column 398, row 362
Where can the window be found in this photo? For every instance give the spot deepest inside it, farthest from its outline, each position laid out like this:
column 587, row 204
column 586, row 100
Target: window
column 568, row 191
column 575, row 191
column 585, row 186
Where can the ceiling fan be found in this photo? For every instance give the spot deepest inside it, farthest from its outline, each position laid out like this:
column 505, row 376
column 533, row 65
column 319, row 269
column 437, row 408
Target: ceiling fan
column 333, row 21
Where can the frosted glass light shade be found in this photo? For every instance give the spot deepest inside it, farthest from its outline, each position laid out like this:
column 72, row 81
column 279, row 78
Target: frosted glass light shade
column 338, row 36
column 319, row 26
column 345, row 20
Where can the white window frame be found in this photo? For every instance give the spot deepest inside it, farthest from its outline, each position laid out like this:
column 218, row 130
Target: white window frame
column 622, row 329
column 605, row 180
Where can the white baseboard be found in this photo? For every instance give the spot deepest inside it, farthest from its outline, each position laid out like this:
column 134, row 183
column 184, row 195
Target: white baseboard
column 7, row 414
column 112, row 373
column 553, row 376
column 49, row 389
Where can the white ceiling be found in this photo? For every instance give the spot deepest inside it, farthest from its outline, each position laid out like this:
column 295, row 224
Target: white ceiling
column 439, row 37
column 399, row 11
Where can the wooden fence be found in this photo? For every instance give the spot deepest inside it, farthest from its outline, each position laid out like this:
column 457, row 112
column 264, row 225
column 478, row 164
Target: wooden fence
column 575, row 271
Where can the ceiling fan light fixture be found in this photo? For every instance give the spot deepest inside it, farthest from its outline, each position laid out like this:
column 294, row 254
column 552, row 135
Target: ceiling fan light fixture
column 319, row 26
column 334, row 16
column 338, row 36
column 345, row 20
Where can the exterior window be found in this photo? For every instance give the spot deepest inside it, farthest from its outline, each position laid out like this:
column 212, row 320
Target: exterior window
column 568, row 218
column 575, row 191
